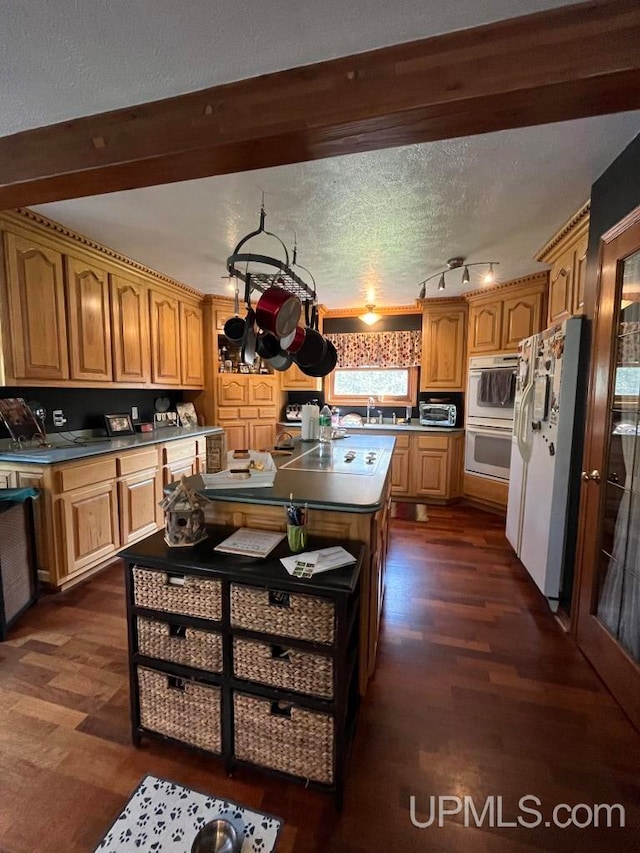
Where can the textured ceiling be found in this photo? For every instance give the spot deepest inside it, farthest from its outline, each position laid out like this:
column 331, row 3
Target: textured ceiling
column 380, row 221
column 69, row 58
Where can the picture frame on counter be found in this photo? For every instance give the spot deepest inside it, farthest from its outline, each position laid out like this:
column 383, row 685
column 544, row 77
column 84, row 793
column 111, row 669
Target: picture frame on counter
column 118, row 425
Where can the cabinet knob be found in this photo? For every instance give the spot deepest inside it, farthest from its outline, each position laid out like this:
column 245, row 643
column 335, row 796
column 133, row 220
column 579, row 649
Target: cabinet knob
column 594, row 475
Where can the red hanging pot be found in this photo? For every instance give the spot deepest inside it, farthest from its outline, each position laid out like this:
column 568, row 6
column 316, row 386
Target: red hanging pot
column 278, row 311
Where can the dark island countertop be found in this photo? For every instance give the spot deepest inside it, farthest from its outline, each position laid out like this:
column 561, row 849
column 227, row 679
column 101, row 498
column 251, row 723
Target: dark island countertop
column 320, row 478
column 97, row 446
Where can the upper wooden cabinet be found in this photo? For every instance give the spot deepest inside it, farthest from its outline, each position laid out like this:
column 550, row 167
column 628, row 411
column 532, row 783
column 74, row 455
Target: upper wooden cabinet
column 130, row 331
column 294, row 379
column 443, row 347
column 89, row 321
column 501, row 317
column 192, row 358
column 566, row 251
column 165, row 339
column 35, row 311
column 77, row 314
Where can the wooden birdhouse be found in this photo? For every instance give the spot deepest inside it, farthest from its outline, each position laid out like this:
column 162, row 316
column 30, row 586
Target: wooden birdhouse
column 183, row 516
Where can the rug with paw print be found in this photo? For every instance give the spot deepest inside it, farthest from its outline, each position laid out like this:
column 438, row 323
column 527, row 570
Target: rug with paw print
column 163, row 817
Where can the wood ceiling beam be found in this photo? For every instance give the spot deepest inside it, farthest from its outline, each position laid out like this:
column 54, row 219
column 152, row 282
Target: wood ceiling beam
column 565, row 63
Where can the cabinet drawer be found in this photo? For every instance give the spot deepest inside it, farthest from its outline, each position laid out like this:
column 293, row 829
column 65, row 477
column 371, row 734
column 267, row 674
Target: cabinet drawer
column 179, row 708
column 433, row 442
column 266, row 413
column 284, row 737
column 88, row 474
column 133, row 462
column 401, row 441
column 179, row 450
column 278, row 666
column 176, row 593
column 285, row 614
column 228, row 413
column 179, row 644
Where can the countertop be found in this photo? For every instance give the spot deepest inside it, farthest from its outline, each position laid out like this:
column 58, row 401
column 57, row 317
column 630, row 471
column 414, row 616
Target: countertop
column 97, row 446
column 320, row 489
column 383, row 427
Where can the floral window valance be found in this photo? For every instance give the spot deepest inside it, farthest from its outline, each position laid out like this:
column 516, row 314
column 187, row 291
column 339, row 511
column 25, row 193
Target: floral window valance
column 378, row 349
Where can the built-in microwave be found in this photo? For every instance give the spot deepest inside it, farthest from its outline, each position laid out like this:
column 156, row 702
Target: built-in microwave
column 438, row 414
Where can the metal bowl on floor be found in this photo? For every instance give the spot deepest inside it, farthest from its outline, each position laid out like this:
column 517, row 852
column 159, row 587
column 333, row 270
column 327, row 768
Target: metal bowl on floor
column 217, row 836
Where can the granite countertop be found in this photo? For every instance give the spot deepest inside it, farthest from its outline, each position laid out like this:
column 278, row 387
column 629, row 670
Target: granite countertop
column 312, row 478
column 383, row 427
column 97, row 446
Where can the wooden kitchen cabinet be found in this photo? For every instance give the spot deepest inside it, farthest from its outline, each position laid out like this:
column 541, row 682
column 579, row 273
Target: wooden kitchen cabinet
column 294, row 379
column 165, row 338
column 233, row 390
column 262, row 435
column 500, row 317
column 89, row 320
column 401, row 467
column 7, row 479
column 246, row 409
column 89, row 529
column 237, row 435
column 192, row 357
column 130, row 331
column 262, row 390
column 443, row 347
column 138, row 498
column 34, row 312
column 431, row 474
column 566, row 251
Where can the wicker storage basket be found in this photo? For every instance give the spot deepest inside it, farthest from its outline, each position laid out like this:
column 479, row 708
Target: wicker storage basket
column 290, row 669
column 182, row 709
column 293, row 741
column 305, row 617
column 189, row 646
column 194, row 596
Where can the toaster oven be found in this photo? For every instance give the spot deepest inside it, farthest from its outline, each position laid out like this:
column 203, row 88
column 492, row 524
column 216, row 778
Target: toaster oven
column 438, row 414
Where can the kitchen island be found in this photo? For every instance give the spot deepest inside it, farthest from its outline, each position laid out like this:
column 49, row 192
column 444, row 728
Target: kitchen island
column 348, row 502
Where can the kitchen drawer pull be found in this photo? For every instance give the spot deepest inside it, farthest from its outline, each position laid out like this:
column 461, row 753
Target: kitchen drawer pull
column 178, row 631
column 279, row 709
column 176, row 683
column 281, row 653
column 279, row 599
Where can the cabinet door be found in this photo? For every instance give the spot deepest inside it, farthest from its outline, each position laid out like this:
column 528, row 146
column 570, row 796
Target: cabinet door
column 185, row 468
column 139, row 495
column 294, row 379
column 237, row 435
column 36, row 310
column 400, row 469
column 191, row 341
column 130, row 331
column 262, row 435
column 485, row 322
column 580, row 272
column 521, row 318
column 89, row 520
column 89, row 321
column 7, row 479
column 30, row 479
column 165, row 339
column 443, row 349
column 431, row 474
column 233, row 390
column 561, row 288
column 262, row 390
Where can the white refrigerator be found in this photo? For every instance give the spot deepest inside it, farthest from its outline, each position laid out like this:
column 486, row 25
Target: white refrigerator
column 546, row 456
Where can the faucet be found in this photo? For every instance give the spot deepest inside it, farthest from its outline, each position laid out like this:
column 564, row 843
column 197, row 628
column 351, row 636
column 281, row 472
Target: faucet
column 370, row 404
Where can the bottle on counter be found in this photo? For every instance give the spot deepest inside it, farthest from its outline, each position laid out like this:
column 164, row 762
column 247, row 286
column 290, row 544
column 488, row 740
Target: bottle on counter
column 324, row 424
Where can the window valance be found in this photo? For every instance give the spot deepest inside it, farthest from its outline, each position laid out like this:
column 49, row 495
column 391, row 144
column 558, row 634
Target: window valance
column 378, row 349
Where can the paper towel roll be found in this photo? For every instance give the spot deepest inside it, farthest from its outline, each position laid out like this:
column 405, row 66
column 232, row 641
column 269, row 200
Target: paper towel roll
column 309, row 428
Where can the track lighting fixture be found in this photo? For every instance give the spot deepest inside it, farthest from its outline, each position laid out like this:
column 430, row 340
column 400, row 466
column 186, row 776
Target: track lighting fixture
column 454, row 264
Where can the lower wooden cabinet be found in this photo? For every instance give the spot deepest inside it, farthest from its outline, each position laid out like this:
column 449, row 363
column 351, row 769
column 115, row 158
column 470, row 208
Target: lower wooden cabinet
column 430, row 475
column 267, row 676
column 401, row 467
column 89, row 528
column 140, row 515
column 246, row 409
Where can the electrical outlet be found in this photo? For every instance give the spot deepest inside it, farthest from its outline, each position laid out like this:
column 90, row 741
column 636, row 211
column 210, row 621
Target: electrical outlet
column 134, row 413
column 58, row 418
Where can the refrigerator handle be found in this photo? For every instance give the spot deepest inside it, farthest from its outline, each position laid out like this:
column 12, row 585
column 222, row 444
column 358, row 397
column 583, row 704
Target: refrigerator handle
column 523, row 420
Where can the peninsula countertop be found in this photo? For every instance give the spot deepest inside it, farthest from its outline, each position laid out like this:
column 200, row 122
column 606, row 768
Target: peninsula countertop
column 320, row 478
column 384, row 427
column 97, row 446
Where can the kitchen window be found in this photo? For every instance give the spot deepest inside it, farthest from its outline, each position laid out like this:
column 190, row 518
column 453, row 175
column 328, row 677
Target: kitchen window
column 388, row 385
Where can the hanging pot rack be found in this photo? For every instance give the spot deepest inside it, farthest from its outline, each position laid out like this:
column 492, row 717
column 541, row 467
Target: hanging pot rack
column 282, row 276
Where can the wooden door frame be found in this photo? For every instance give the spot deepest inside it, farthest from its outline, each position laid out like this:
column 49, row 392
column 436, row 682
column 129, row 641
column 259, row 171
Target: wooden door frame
column 620, row 672
column 564, row 63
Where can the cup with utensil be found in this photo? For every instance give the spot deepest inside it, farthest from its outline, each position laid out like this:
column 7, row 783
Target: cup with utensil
column 296, row 526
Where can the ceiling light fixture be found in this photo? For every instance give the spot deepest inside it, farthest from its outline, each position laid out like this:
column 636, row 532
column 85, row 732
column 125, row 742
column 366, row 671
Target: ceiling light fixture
column 456, row 264
column 370, row 318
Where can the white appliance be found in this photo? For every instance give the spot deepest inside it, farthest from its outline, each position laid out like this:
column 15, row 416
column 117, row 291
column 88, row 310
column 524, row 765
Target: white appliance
column 546, row 454
column 481, row 408
column 487, row 452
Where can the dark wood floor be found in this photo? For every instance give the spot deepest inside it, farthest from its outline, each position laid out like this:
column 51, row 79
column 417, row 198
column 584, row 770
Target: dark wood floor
column 477, row 692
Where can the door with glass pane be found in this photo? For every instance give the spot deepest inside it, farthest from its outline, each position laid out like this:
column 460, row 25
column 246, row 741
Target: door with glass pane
column 608, row 626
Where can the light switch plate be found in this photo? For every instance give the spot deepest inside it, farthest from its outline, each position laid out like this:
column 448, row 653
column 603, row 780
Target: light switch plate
column 134, row 413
